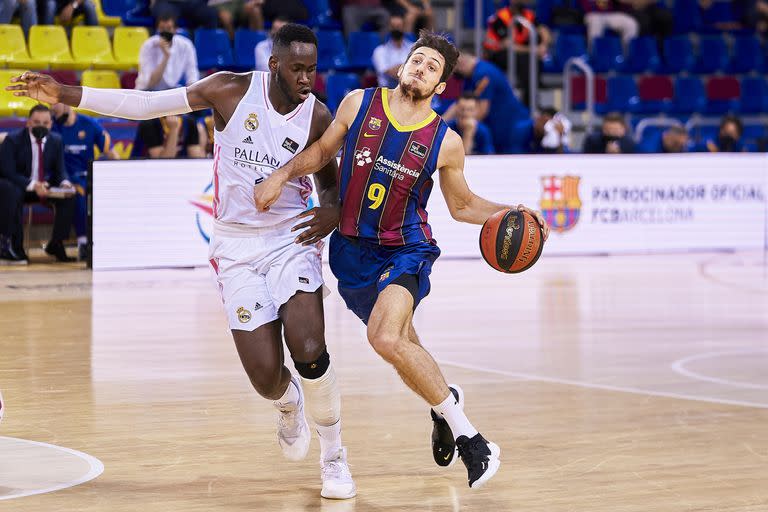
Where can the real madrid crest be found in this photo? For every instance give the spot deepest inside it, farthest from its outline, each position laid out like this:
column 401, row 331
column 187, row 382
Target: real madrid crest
column 243, row 314
column 374, row 123
column 252, row 122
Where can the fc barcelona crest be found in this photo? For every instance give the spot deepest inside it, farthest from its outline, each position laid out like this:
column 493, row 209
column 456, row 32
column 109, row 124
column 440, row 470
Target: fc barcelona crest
column 560, row 202
column 374, row 123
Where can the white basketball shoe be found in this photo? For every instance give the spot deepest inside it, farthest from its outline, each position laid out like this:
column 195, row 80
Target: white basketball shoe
column 337, row 479
column 293, row 432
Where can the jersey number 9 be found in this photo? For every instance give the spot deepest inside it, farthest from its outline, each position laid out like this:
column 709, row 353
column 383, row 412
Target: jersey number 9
column 376, row 193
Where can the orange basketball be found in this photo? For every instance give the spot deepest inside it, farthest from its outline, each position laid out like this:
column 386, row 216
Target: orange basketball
column 511, row 241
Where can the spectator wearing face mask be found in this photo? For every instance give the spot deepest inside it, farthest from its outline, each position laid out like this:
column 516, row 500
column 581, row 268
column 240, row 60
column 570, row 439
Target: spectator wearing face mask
column 729, row 137
column 388, row 57
column 264, row 48
column 612, row 137
column 166, row 60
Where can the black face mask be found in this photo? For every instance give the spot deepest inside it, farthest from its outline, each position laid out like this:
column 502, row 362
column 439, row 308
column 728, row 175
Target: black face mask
column 168, row 36
column 39, row 132
column 611, row 138
column 726, row 143
column 397, row 35
column 63, row 118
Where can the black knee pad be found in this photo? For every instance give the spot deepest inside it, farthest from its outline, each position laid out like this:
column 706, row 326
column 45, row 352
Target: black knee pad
column 316, row 368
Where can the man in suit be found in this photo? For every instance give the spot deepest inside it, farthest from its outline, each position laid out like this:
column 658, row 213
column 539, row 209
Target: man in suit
column 31, row 162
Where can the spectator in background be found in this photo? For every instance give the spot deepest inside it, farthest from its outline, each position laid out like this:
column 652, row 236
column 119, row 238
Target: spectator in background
column 729, row 137
column 31, row 161
column 238, row 13
column 168, row 137
column 197, row 12
column 551, row 132
column 355, row 13
column 67, row 11
column 603, row 14
column 166, row 60
column 612, row 137
column 27, row 12
column 388, row 57
column 264, row 48
column 475, row 135
column 674, row 140
column 413, row 12
column 758, row 17
column 80, row 134
column 497, row 104
column 652, row 19
column 498, row 38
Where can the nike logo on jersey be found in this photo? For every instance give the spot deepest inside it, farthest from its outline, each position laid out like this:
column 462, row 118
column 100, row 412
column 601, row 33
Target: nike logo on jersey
column 368, row 135
column 248, row 140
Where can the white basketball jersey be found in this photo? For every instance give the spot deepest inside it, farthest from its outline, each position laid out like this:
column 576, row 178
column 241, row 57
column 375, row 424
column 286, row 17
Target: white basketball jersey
column 256, row 141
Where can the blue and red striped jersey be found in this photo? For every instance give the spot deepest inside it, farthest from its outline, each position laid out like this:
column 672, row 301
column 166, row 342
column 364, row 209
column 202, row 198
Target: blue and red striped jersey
column 385, row 175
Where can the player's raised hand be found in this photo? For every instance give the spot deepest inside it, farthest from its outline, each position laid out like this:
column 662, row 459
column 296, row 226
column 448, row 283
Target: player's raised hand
column 37, row 86
column 323, row 220
column 266, row 193
column 539, row 218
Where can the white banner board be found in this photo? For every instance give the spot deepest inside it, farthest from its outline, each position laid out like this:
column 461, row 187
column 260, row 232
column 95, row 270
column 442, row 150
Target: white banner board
column 157, row 213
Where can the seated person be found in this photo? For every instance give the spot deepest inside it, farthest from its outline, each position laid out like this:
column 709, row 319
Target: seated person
column 67, row 11
column 388, row 57
column 674, row 140
column 168, row 137
column 475, row 135
column 729, row 137
column 263, row 50
column 612, row 137
column 551, row 132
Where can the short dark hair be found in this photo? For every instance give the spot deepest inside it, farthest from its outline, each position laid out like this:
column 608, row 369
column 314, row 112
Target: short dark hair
column 730, row 118
column 166, row 15
column 614, row 117
column 677, row 129
column 442, row 45
column 39, row 108
column 548, row 111
column 293, row 33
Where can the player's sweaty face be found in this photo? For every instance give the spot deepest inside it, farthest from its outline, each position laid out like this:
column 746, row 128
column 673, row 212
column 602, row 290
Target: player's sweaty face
column 422, row 72
column 296, row 71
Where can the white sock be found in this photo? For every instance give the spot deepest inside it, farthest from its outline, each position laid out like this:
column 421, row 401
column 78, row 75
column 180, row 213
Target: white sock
column 290, row 397
column 454, row 415
column 330, row 440
column 323, row 399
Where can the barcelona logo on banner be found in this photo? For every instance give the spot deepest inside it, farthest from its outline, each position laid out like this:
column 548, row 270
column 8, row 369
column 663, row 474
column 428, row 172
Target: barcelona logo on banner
column 560, row 202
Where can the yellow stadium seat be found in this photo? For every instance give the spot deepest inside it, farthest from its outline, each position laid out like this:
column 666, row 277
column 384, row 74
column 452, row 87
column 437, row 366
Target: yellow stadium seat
column 104, row 19
column 10, row 104
column 127, row 43
column 100, row 79
column 91, row 48
column 13, row 49
column 49, row 43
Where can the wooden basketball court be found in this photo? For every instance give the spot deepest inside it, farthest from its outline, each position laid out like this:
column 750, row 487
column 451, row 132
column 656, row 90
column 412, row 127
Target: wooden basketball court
column 633, row 383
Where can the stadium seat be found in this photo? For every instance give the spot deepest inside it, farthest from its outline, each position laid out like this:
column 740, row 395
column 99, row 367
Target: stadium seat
column 687, row 16
column 339, row 85
column 651, row 139
column 91, row 48
column 136, row 13
column 245, row 43
column 360, row 49
column 115, row 7
column 747, row 55
column 623, row 95
column 128, row 79
column 13, row 49
column 723, row 94
column 127, row 43
column 606, row 54
column 64, row 76
column 642, row 56
column 754, row 95
column 579, row 93
column 49, row 43
column 9, row 104
column 101, row 79
column 689, row 95
column 678, row 54
column 566, row 46
column 321, row 15
column 656, row 93
column 213, row 49
column 713, row 55
column 105, row 20
column 331, row 52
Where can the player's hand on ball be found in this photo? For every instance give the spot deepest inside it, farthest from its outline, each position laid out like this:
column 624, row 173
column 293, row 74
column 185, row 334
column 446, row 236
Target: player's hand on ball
column 266, row 193
column 539, row 218
column 322, row 221
column 36, row 86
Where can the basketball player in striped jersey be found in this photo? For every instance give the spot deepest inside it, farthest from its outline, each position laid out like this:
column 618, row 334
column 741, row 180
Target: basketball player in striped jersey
column 383, row 250
column 270, row 276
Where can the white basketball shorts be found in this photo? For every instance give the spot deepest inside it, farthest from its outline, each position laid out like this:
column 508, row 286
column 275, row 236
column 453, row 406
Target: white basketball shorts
column 259, row 269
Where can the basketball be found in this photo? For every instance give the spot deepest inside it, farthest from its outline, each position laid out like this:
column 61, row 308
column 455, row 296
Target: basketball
column 511, row 241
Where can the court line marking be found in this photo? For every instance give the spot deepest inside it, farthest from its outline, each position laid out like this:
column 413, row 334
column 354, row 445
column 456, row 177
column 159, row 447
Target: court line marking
column 96, row 468
column 607, row 387
column 679, row 368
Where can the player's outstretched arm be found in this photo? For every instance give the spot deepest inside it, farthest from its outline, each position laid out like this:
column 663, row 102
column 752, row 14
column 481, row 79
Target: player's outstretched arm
column 464, row 205
column 312, row 158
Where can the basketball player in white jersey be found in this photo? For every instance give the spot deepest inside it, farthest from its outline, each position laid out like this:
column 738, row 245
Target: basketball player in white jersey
column 270, row 276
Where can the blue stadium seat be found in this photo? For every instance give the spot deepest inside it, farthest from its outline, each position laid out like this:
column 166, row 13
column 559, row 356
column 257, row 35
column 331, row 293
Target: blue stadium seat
column 331, row 51
column 713, row 55
column 651, row 141
column 339, row 85
column 642, row 56
column 245, row 43
column 754, row 95
column 689, row 95
column 606, row 54
column 136, row 13
column 623, row 95
column 566, row 46
column 747, row 55
column 213, row 50
column 320, row 15
column 754, row 131
column 360, row 49
column 115, row 7
column 687, row 16
column 678, row 54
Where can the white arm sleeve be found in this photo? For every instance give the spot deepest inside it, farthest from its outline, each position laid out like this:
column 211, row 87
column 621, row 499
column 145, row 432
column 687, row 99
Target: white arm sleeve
column 133, row 104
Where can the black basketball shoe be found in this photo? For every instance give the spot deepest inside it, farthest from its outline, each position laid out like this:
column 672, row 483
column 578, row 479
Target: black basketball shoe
column 481, row 458
column 443, row 444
